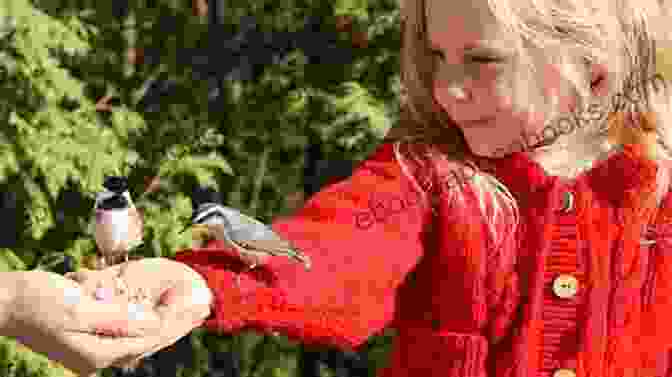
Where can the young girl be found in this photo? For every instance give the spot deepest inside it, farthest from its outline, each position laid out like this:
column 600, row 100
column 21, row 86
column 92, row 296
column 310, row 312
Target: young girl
column 550, row 256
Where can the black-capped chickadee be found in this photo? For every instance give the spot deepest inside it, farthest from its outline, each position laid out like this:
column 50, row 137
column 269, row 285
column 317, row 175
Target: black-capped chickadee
column 118, row 224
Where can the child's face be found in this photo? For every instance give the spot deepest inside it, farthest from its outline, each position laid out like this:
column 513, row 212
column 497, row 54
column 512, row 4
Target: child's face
column 475, row 65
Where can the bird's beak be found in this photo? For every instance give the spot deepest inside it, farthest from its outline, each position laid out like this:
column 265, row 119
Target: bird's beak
column 200, row 231
column 191, row 226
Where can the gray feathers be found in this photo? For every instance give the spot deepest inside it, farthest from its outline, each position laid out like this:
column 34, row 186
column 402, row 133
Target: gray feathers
column 247, row 235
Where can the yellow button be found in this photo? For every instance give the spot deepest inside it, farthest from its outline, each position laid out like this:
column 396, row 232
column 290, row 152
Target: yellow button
column 565, row 286
column 564, row 373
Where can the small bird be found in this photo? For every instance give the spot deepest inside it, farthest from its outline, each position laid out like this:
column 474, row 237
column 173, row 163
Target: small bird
column 118, row 229
column 253, row 240
column 118, row 224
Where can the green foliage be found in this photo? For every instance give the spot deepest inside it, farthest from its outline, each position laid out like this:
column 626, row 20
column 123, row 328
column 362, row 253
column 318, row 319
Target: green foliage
column 57, row 60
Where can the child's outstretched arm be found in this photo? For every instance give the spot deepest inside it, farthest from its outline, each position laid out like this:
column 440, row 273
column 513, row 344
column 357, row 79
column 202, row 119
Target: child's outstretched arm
column 363, row 235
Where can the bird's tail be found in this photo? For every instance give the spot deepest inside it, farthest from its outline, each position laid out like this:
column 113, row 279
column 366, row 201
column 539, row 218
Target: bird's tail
column 273, row 247
column 302, row 258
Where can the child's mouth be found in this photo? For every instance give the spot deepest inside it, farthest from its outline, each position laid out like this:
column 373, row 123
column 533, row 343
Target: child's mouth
column 477, row 123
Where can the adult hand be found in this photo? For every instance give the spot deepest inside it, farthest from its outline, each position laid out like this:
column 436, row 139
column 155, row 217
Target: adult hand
column 179, row 295
column 51, row 315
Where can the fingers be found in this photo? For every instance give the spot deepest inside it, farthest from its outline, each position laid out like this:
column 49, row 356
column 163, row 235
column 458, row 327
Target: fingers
column 116, row 319
column 181, row 309
column 104, row 351
column 174, row 332
column 178, row 309
column 165, row 342
column 181, row 297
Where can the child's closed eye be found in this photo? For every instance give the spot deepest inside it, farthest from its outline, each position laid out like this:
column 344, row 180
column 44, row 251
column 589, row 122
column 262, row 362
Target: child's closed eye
column 484, row 59
column 470, row 59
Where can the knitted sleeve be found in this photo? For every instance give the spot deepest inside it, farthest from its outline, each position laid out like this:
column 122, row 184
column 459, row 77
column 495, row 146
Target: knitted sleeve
column 363, row 235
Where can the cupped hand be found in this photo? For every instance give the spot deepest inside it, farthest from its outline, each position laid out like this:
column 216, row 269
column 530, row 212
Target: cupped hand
column 178, row 294
column 52, row 315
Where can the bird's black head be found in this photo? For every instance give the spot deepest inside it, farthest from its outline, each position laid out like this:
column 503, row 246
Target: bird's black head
column 116, row 184
column 115, row 202
column 203, row 195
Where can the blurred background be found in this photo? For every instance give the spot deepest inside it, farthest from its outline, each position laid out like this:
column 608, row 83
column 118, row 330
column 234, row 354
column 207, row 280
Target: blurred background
column 265, row 101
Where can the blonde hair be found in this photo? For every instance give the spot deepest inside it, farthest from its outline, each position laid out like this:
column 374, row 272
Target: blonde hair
column 620, row 35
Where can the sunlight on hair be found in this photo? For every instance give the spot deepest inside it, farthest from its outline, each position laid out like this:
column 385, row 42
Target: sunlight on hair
column 619, row 35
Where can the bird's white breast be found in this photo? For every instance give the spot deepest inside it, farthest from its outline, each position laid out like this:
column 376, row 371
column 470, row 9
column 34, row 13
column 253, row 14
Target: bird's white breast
column 112, row 228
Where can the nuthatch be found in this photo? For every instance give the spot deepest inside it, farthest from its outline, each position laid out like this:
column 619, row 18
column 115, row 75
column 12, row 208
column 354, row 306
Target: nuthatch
column 118, row 224
column 253, row 240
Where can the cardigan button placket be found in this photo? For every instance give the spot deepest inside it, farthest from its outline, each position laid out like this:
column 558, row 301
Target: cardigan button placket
column 564, row 270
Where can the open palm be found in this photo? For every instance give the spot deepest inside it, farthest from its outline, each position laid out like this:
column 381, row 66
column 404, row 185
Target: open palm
column 52, row 315
column 178, row 294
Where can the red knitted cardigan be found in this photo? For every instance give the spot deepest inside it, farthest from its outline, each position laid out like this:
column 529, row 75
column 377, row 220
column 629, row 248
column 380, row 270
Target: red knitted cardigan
column 367, row 235
column 627, row 286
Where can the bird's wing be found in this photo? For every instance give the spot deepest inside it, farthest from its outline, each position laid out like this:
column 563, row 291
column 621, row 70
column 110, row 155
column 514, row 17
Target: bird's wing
column 100, row 196
column 273, row 247
column 257, row 236
column 243, row 227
